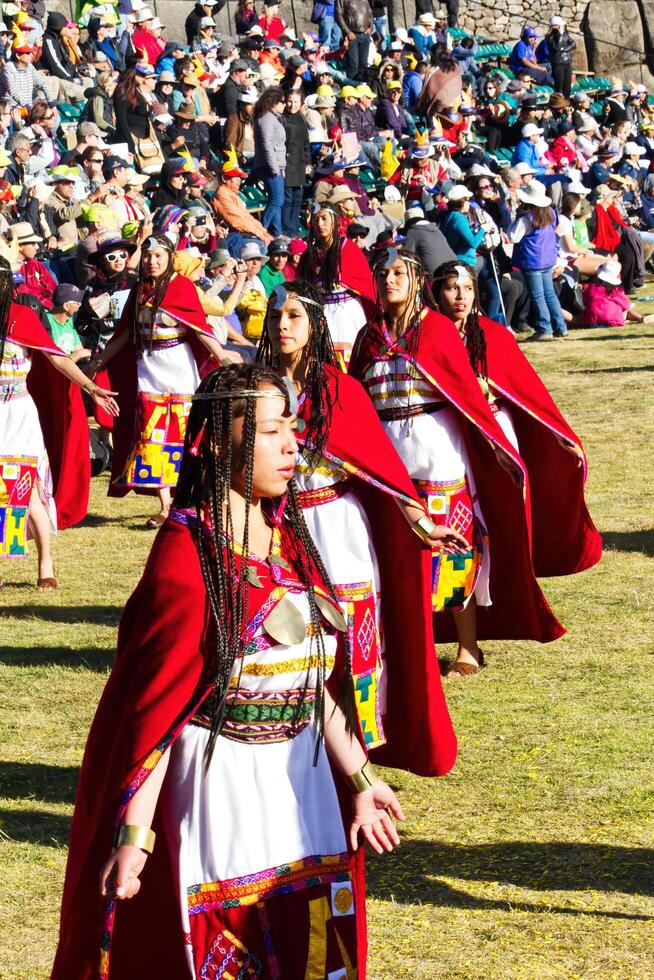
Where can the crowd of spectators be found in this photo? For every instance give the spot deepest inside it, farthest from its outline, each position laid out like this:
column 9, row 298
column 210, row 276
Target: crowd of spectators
column 110, row 130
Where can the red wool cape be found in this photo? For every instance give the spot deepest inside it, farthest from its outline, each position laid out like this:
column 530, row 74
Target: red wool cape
column 564, row 538
column 519, row 610
column 180, row 301
column 61, row 415
column 159, row 679
column 419, row 732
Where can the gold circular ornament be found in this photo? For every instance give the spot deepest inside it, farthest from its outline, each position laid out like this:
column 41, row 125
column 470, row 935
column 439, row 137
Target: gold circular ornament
column 343, row 900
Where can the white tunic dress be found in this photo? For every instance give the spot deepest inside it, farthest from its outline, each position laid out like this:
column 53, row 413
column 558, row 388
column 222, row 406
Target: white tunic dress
column 432, row 447
column 24, row 464
column 262, row 820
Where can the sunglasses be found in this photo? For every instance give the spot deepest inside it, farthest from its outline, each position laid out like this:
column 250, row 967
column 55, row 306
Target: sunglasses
column 113, row 256
column 485, row 187
column 95, row 160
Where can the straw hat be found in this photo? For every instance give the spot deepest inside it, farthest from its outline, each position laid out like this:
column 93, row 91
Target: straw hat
column 142, row 15
column 340, row 193
column 534, row 193
column 24, row 234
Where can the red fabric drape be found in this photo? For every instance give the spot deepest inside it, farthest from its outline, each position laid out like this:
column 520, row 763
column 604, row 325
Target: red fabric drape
column 61, row 415
column 519, row 609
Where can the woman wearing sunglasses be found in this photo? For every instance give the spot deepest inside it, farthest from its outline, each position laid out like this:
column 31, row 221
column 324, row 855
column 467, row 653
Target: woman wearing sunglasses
column 104, row 298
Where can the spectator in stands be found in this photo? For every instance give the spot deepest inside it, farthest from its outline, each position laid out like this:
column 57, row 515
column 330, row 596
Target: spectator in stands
column 456, row 227
column 354, row 17
column 56, row 61
column 269, row 161
column 37, row 280
column 298, row 162
column 528, row 150
column 557, row 47
column 523, row 59
column 21, row 81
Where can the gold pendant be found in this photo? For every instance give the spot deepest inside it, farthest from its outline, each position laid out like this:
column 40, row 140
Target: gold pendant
column 276, row 560
column 331, row 613
column 252, row 577
column 286, row 623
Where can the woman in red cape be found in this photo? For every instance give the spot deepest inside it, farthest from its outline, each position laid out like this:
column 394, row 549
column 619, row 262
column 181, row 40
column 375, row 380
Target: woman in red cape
column 226, row 726
column 155, row 360
column 360, row 506
column 564, row 538
column 45, row 467
column 340, row 269
column 417, row 372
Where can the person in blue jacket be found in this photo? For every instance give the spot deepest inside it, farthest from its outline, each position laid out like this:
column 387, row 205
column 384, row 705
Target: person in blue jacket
column 526, row 150
column 523, row 59
column 462, row 239
column 412, row 83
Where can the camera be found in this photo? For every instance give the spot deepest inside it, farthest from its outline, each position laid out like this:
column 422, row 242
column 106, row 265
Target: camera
column 201, row 220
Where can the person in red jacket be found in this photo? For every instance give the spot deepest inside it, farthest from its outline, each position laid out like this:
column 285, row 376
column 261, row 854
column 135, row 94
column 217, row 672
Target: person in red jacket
column 144, row 39
column 36, row 279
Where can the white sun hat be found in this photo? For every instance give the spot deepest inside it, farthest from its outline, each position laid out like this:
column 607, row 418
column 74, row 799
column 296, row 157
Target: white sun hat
column 633, row 149
column 534, row 193
column 610, row 272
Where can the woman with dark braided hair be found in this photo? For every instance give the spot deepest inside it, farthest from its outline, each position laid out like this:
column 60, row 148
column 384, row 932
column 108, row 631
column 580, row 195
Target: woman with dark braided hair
column 340, row 270
column 44, row 436
column 351, row 479
column 224, row 731
column 564, row 538
column 162, row 341
column 418, row 374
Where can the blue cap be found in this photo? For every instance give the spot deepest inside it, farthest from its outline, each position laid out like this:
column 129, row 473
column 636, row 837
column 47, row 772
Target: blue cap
column 530, row 32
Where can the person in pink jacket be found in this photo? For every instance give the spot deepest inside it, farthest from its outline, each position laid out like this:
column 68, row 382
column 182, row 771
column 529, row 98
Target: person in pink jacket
column 605, row 301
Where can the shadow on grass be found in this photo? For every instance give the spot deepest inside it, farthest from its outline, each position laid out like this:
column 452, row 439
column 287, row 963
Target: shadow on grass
column 412, row 873
column 29, row 827
column 35, row 781
column 615, row 370
column 89, row 658
column 106, row 615
column 638, row 541
column 611, row 336
column 99, row 520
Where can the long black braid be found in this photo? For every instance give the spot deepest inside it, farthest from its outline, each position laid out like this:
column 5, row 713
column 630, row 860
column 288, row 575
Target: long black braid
column 6, row 295
column 328, row 260
column 318, row 352
column 475, row 338
column 204, row 484
column 154, row 298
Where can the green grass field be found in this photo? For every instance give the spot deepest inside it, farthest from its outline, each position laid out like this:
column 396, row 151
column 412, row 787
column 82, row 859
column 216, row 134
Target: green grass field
column 534, row 858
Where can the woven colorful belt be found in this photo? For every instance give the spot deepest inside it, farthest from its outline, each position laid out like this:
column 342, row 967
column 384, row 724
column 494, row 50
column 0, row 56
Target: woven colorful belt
column 323, row 495
column 258, row 717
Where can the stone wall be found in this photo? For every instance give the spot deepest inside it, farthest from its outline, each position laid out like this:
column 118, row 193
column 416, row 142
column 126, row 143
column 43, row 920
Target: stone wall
column 597, row 26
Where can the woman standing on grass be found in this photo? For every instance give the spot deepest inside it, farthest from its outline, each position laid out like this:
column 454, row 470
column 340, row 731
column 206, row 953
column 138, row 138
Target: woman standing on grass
column 360, row 507
column 418, row 375
column 44, row 437
column 154, row 360
column 340, row 270
column 222, row 779
column 564, row 538
column 533, row 234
